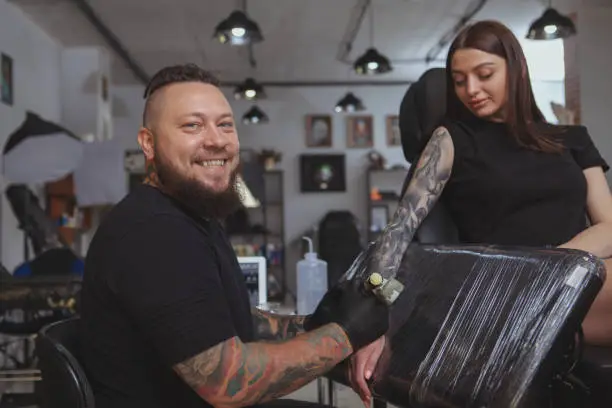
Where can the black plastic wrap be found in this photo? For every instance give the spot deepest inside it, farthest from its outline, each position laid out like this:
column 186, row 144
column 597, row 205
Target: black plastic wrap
column 481, row 326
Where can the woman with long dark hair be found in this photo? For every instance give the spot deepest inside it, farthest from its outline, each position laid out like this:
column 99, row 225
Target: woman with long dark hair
column 514, row 179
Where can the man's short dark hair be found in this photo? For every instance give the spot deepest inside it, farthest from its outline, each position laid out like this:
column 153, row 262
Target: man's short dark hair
column 174, row 74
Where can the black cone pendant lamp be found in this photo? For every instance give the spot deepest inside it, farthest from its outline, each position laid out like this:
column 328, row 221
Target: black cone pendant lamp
column 349, row 103
column 238, row 29
column 551, row 25
column 372, row 62
column 254, row 116
column 249, row 90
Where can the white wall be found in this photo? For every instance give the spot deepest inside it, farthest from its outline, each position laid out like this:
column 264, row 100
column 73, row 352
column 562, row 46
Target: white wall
column 595, row 65
column 36, row 65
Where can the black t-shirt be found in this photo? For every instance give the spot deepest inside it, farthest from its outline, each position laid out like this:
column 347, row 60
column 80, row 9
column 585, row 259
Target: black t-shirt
column 160, row 285
column 502, row 193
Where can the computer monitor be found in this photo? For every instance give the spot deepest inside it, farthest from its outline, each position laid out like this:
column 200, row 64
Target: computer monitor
column 256, row 278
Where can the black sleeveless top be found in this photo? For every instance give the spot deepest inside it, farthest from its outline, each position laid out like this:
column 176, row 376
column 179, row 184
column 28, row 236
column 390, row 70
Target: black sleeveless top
column 502, row 193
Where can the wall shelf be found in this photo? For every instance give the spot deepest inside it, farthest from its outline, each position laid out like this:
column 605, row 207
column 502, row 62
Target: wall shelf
column 269, row 239
column 383, row 190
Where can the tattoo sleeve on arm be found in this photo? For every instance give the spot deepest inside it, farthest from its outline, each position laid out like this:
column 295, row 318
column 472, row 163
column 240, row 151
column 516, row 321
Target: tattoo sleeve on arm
column 235, row 374
column 425, row 187
column 273, row 327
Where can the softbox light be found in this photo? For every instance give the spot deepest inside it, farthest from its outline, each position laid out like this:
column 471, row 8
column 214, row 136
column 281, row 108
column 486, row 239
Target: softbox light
column 40, row 151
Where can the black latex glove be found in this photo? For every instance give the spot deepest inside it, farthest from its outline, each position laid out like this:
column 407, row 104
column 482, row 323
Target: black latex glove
column 363, row 317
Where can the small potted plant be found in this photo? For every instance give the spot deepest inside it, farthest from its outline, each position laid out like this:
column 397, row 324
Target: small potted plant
column 269, row 158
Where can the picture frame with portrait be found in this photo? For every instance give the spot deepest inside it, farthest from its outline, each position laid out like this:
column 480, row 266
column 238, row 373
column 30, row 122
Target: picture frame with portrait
column 321, row 173
column 393, row 131
column 6, row 79
column 319, row 131
column 360, row 131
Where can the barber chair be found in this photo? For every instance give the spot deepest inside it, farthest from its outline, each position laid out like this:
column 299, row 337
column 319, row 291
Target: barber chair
column 64, row 384
column 449, row 347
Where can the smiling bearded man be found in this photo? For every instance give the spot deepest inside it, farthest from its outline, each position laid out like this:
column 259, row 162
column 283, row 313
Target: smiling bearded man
column 166, row 319
column 192, row 154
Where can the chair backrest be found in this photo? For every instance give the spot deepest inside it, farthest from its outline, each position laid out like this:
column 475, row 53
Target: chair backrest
column 339, row 243
column 422, row 110
column 64, row 384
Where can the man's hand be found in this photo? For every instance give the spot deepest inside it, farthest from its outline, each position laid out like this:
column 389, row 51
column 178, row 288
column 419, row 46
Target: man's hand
column 361, row 367
column 363, row 317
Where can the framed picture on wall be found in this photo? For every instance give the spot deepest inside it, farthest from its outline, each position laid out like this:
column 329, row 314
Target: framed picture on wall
column 393, row 131
column 319, row 131
column 359, row 131
column 6, row 79
column 322, row 173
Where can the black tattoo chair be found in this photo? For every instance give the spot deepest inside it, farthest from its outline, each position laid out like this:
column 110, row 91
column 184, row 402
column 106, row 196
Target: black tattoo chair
column 64, row 383
column 421, row 111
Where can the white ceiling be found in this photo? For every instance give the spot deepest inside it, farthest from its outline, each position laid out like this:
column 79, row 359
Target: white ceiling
column 302, row 37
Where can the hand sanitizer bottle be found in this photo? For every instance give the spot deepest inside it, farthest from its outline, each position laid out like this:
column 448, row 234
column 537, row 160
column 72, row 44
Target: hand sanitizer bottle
column 311, row 281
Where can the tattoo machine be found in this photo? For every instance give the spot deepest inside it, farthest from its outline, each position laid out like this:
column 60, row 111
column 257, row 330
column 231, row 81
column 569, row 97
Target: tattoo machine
column 386, row 290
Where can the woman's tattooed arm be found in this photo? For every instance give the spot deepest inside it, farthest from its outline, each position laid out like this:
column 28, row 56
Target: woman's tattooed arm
column 429, row 178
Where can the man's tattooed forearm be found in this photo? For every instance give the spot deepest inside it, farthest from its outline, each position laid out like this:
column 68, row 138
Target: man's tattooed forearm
column 234, row 374
column 269, row 326
column 431, row 174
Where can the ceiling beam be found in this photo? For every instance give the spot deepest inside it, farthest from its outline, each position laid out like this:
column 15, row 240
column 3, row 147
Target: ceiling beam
column 287, row 84
column 472, row 9
column 358, row 14
column 112, row 40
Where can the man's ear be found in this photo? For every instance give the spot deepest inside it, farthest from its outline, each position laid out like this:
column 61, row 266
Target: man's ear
column 146, row 142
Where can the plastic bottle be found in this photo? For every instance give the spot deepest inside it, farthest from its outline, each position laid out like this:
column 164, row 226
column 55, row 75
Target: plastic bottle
column 311, row 281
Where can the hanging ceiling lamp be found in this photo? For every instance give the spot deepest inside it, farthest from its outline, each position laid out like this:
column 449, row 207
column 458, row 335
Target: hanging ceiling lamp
column 249, row 90
column 349, row 103
column 551, row 26
column 372, row 62
column 254, row 116
column 238, row 29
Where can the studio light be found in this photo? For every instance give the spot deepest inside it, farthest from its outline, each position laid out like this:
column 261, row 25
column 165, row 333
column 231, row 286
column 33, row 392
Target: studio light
column 551, row 26
column 255, row 116
column 249, row 90
column 238, row 29
column 349, row 103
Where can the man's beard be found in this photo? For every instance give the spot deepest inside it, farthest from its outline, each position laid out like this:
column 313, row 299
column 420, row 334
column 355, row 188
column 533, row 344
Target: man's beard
column 201, row 200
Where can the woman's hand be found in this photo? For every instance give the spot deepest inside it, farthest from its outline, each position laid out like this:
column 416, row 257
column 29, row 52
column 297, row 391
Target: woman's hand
column 361, row 367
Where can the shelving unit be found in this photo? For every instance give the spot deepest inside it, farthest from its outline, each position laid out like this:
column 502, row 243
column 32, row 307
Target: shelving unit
column 383, row 189
column 266, row 235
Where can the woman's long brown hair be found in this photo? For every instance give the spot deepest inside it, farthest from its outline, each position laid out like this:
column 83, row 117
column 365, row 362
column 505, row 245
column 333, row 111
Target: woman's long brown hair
column 522, row 113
